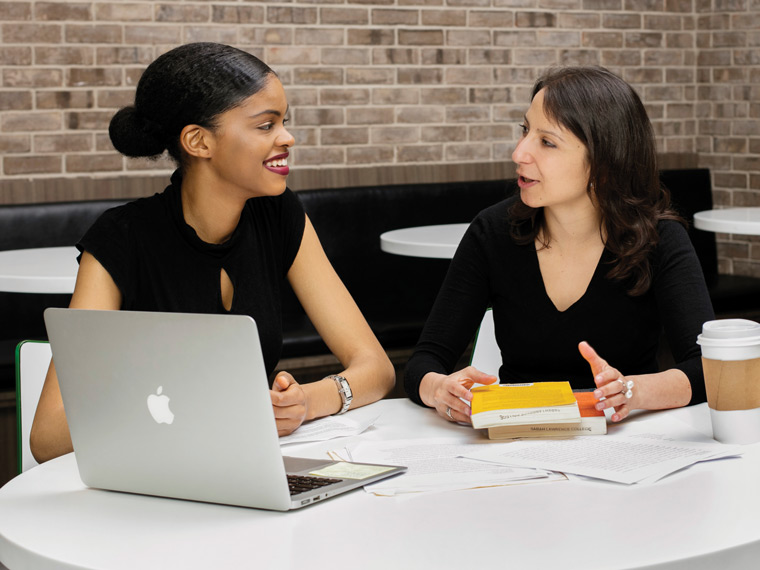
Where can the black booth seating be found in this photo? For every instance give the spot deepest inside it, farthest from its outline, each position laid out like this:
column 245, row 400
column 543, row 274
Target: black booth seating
column 394, row 292
column 691, row 192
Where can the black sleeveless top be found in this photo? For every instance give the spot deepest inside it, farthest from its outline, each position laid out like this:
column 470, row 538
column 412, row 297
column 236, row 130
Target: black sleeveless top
column 159, row 263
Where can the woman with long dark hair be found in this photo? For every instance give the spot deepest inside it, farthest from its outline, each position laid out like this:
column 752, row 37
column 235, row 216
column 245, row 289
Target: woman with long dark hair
column 583, row 269
column 223, row 236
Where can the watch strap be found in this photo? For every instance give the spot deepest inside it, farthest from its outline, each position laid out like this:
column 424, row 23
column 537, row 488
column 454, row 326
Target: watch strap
column 344, row 389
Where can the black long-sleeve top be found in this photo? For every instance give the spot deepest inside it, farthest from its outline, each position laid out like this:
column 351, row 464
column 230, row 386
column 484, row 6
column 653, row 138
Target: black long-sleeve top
column 539, row 342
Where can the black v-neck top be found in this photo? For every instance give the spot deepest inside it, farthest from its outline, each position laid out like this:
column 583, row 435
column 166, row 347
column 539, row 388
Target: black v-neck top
column 159, row 263
column 539, row 342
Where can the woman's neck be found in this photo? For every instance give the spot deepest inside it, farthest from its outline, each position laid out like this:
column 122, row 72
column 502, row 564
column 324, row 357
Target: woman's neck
column 577, row 226
column 208, row 209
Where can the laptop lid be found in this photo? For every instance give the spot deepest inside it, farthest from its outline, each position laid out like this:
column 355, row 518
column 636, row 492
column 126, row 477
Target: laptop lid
column 174, row 405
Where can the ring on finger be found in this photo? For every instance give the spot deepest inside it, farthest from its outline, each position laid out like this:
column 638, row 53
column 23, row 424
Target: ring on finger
column 448, row 412
column 626, row 388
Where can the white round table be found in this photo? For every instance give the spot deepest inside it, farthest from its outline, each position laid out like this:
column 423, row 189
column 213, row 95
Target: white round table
column 744, row 221
column 700, row 518
column 39, row 270
column 439, row 241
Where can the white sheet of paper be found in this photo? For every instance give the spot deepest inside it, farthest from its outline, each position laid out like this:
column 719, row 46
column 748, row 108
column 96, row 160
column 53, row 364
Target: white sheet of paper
column 436, row 465
column 326, row 428
column 635, row 453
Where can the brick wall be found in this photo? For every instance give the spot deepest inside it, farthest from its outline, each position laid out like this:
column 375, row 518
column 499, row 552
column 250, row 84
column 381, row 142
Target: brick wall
column 390, row 84
column 728, row 115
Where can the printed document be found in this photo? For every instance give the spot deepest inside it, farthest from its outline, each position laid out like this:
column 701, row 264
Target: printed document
column 437, row 465
column 639, row 453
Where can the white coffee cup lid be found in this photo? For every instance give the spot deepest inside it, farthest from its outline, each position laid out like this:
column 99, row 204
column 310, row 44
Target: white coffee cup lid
column 730, row 332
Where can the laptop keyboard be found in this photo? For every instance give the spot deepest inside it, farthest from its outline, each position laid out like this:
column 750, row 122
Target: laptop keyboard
column 301, row 483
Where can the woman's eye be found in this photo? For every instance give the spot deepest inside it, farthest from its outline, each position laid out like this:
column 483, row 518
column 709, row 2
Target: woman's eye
column 548, row 144
column 523, row 129
column 266, row 127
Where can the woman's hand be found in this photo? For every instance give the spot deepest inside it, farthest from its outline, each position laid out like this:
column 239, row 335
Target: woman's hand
column 445, row 393
column 289, row 402
column 613, row 389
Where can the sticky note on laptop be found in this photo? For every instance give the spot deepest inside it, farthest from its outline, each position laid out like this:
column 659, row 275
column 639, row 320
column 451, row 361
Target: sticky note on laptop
column 345, row 470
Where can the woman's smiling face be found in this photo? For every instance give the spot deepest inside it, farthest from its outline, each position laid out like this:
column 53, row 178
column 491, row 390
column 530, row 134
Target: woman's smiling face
column 552, row 163
column 251, row 142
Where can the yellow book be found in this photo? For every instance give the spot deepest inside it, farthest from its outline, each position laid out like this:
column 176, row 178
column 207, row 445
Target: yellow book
column 517, row 404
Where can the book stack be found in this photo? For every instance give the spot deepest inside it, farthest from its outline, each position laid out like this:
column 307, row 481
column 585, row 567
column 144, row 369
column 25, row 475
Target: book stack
column 541, row 409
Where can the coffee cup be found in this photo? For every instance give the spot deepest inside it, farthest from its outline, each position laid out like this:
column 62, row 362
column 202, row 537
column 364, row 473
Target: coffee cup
column 731, row 364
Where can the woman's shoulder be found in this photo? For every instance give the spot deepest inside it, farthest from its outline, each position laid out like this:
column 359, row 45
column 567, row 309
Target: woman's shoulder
column 136, row 210
column 490, row 230
column 495, row 218
column 497, row 213
column 672, row 231
column 674, row 245
column 133, row 217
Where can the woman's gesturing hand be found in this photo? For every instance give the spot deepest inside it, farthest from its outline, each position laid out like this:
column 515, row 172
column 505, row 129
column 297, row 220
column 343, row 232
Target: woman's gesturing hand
column 446, row 393
column 612, row 388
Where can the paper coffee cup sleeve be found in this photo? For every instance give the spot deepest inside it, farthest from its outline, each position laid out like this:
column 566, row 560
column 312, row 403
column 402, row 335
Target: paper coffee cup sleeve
column 732, row 384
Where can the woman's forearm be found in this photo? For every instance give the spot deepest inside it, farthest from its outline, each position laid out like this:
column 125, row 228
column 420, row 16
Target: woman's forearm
column 370, row 377
column 49, row 437
column 662, row 390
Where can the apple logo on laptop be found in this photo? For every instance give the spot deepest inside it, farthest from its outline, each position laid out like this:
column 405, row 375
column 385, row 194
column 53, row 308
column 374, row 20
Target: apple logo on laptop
column 158, row 406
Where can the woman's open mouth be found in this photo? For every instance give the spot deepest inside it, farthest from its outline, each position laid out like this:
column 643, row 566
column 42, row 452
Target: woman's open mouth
column 278, row 164
column 524, row 181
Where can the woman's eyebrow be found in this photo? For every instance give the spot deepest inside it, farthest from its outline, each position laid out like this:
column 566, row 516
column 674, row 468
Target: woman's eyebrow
column 271, row 112
column 543, row 131
column 552, row 133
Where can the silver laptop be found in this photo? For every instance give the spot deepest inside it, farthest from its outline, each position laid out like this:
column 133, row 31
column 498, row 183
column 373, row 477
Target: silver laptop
column 178, row 405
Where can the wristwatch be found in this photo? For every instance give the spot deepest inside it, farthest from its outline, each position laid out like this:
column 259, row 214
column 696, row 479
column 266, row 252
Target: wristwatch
column 345, row 392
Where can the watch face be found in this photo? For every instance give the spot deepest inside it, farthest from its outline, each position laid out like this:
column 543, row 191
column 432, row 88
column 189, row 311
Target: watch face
column 344, row 389
column 343, row 385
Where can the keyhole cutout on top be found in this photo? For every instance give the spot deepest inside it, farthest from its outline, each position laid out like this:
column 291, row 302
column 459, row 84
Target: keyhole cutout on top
column 228, row 291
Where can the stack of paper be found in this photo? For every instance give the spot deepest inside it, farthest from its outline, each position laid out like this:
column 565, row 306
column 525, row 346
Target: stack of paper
column 330, row 427
column 634, row 454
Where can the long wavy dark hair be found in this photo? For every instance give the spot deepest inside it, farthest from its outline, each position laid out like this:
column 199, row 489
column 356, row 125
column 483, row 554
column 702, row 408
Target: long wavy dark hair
column 608, row 117
column 189, row 85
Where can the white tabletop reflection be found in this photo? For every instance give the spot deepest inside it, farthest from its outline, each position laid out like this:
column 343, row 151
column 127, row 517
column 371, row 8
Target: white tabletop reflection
column 39, row 270
column 744, row 221
column 440, row 241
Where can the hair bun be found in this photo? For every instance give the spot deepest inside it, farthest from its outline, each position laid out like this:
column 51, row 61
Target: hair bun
column 134, row 135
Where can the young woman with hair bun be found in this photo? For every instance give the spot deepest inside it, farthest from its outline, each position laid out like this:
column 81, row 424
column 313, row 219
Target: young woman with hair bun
column 223, row 236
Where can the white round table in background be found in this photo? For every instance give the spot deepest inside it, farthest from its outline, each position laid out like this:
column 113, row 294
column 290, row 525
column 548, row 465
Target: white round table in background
column 744, row 221
column 439, row 241
column 39, row 270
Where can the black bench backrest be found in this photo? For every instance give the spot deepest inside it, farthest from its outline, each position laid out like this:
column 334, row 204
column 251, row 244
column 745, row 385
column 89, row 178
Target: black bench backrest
column 691, row 192
column 48, row 225
column 349, row 222
column 394, row 292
